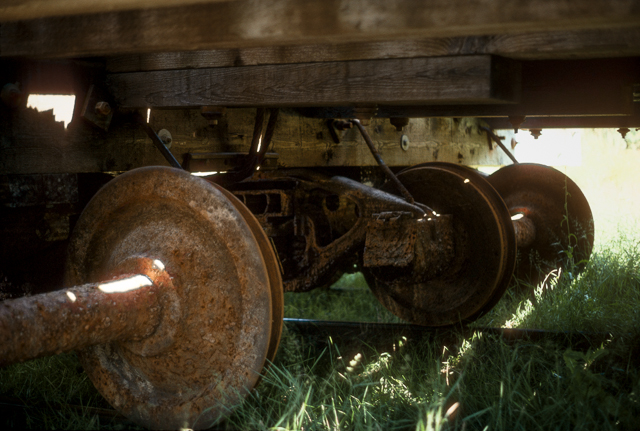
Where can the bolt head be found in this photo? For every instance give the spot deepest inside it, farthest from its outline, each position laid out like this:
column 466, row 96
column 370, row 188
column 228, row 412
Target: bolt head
column 103, row 108
column 404, row 142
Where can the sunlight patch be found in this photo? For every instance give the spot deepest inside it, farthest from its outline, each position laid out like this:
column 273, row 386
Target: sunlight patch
column 62, row 105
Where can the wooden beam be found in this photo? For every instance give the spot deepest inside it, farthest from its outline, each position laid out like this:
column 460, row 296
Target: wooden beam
column 594, row 122
column 33, row 9
column 550, row 87
column 33, row 143
column 465, row 79
column 529, row 46
column 250, row 23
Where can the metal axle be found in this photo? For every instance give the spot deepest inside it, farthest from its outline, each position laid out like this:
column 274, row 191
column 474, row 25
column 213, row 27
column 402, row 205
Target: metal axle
column 525, row 230
column 127, row 309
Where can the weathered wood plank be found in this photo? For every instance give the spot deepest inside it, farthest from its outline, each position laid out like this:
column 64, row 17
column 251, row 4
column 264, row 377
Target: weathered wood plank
column 549, row 87
column 247, row 23
column 13, row 10
column 468, row 79
column 33, row 143
column 529, row 46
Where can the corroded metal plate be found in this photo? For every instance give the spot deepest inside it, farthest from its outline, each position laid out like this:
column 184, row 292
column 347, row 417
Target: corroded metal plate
column 559, row 211
column 221, row 305
column 480, row 250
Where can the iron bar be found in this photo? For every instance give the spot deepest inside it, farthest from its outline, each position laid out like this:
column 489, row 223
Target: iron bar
column 257, row 131
column 157, row 141
column 525, row 230
column 268, row 135
column 498, row 140
column 376, row 155
column 77, row 317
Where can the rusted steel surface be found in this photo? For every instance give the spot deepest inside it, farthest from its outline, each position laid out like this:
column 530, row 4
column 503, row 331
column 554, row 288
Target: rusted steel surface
column 559, row 211
column 217, row 324
column 77, row 317
column 316, row 241
column 390, row 239
column 266, row 204
column 525, row 230
column 477, row 248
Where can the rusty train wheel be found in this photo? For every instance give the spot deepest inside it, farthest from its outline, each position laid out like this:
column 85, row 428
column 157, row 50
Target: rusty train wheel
column 216, row 332
column 540, row 193
column 273, row 267
column 484, row 251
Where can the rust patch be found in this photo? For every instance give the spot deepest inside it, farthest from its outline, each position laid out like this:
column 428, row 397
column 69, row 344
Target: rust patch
column 558, row 210
column 390, row 239
column 463, row 259
column 78, row 317
column 222, row 310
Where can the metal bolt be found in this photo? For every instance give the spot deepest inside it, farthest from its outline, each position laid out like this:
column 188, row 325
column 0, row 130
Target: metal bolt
column 399, row 122
column 516, row 121
column 212, row 114
column 103, row 108
column 404, row 142
column 165, row 137
column 11, row 95
column 623, row 131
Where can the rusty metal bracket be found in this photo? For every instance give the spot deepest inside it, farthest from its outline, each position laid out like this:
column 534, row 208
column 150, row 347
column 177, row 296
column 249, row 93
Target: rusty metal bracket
column 318, row 259
column 98, row 108
column 337, row 125
column 498, row 140
column 259, row 144
column 390, row 239
column 332, row 131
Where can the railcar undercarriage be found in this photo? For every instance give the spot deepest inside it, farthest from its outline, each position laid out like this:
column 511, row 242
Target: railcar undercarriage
column 222, row 152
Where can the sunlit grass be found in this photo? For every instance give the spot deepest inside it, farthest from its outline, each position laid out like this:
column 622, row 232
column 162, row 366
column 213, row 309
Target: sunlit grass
column 54, row 391
column 482, row 383
column 605, row 296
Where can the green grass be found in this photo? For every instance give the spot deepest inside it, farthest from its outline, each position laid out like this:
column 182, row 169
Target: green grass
column 55, row 392
column 349, row 299
column 605, row 296
column 484, row 383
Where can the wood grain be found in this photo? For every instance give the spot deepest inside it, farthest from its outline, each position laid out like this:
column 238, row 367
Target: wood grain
column 33, row 143
column 465, row 79
column 529, row 46
column 251, row 23
column 12, row 10
column 549, row 87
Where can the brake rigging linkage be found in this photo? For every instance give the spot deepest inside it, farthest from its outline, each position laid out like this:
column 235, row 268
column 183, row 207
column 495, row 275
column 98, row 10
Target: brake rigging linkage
column 498, row 140
column 376, row 155
column 157, row 141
